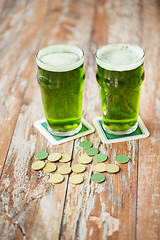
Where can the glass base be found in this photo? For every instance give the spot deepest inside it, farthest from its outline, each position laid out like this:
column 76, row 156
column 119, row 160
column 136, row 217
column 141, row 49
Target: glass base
column 65, row 134
column 125, row 132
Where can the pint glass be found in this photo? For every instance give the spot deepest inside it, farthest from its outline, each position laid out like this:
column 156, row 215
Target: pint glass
column 61, row 79
column 120, row 74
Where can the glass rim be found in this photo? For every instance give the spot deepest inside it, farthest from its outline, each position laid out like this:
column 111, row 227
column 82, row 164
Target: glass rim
column 114, row 67
column 60, row 48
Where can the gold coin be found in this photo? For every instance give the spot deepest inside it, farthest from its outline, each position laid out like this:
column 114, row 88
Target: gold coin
column 65, row 169
column 56, row 178
column 76, row 179
column 65, row 158
column 101, row 167
column 54, row 157
column 112, row 168
column 85, row 159
column 38, row 165
column 50, row 167
column 78, row 168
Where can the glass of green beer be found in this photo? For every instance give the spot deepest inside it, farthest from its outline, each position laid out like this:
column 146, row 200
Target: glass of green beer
column 120, row 74
column 61, row 79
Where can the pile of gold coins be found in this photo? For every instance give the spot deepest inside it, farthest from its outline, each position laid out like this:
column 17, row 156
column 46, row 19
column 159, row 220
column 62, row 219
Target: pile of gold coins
column 90, row 154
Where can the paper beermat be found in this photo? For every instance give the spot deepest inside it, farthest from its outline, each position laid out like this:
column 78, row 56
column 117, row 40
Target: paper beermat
column 41, row 125
column 141, row 132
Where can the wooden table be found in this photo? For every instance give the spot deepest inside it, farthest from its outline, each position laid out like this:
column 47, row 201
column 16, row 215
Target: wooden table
column 127, row 205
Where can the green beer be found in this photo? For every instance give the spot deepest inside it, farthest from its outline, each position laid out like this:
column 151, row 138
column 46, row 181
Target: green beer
column 120, row 74
column 61, row 79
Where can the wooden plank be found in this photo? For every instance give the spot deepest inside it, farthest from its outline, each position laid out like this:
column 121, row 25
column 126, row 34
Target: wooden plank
column 107, row 210
column 6, row 13
column 101, row 211
column 32, row 206
column 148, row 215
column 20, row 33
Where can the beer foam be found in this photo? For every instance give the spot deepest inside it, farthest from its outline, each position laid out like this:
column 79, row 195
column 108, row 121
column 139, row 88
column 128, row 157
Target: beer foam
column 120, row 57
column 60, row 58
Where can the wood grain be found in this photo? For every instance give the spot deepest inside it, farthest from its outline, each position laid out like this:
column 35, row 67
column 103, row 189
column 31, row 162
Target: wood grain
column 126, row 205
column 148, row 211
column 27, row 191
column 20, row 34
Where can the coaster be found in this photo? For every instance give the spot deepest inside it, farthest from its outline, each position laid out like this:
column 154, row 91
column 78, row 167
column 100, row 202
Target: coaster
column 41, row 125
column 141, row 132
